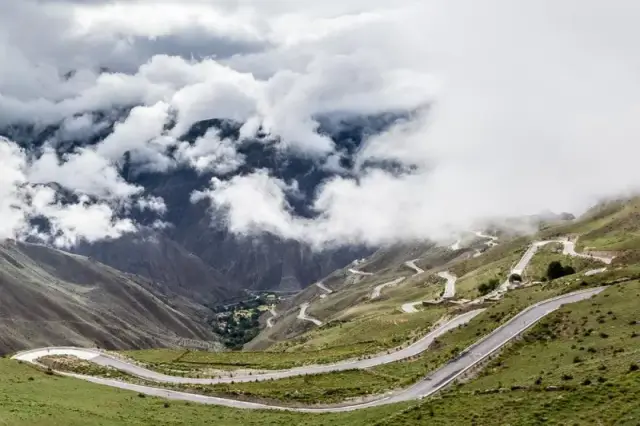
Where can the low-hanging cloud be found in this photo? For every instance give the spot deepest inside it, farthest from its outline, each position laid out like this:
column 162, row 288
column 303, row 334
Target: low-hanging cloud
column 513, row 108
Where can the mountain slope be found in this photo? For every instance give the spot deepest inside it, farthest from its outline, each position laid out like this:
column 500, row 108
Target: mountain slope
column 50, row 297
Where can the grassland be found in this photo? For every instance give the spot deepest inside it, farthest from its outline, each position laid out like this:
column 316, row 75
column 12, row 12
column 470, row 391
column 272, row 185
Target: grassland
column 537, row 268
column 577, row 366
column 336, row 387
column 30, row 397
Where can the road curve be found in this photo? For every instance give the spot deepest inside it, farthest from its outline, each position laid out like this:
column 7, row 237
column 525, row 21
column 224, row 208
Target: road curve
column 450, row 287
column 449, row 292
column 302, row 315
column 377, row 289
column 324, row 287
column 412, row 265
column 274, row 314
column 104, row 359
column 356, row 272
column 427, row 386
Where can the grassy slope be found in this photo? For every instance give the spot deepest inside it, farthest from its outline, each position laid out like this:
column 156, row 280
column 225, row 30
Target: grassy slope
column 584, row 377
column 537, row 269
column 29, row 397
column 334, row 387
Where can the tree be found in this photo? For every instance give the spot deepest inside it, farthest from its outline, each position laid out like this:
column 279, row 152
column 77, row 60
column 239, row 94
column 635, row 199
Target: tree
column 555, row 270
column 488, row 287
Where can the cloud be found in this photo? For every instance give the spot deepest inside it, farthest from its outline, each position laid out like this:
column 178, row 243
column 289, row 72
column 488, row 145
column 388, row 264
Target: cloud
column 22, row 200
column 514, row 107
column 210, row 153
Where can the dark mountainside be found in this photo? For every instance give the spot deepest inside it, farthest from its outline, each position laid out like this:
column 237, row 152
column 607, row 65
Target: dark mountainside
column 54, row 298
column 196, row 257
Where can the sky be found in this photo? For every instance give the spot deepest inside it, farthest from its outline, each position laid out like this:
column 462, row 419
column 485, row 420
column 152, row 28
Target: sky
column 517, row 108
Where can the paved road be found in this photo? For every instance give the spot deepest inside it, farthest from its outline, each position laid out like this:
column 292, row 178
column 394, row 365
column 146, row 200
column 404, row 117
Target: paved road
column 377, row 289
column 595, row 271
column 492, row 240
column 427, row 386
column 356, row 272
column 570, row 249
column 302, row 315
column 412, row 264
column 449, row 292
column 274, row 314
column 324, row 287
column 104, row 359
column 450, row 286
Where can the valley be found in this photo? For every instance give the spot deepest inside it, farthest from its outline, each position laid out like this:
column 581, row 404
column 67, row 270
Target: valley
column 368, row 351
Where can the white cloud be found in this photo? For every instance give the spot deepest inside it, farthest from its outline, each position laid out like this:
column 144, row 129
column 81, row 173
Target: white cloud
column 210, row 153
column 22, row 200
column 531, row 105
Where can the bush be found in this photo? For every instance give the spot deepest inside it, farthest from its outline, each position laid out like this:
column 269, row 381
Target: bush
column 556, row 270
column 633, row 367
column 515, row 278
column 489, row 286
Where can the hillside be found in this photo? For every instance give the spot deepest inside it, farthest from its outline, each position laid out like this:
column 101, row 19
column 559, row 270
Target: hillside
column 590, row 344
column 50, row 297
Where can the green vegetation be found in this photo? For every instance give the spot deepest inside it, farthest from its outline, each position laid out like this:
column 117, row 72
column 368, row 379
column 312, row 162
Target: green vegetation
column 31, row 397
column 539, row 266
column 489, row 286
column 468, row 285
column 187, row 362
column 238, row 323
column 584, row 342
column 577, row 366
column 556, row 270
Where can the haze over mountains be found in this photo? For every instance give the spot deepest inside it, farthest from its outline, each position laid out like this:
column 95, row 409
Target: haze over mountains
column 217, row 147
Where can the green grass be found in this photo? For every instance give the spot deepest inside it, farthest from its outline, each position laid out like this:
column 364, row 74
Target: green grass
column 574, row 367
column 467, row 285
column 308, row 390
column 537, row 268
column 376, row 331
column 333, row 387
column 577, row 341
column 613, row 403
column 30, row 397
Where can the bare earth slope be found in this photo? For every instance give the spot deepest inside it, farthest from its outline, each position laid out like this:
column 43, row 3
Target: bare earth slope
column 52, row 297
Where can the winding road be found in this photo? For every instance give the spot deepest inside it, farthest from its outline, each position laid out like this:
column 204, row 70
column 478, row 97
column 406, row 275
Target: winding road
column 356, row 272
column 492, row 239
column 302, row 315
column 274, row 314
column 412, row 265
column 377, row 289
column 435, row 381
column 449, row 292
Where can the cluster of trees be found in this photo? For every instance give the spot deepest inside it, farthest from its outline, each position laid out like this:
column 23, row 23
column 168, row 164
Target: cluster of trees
column 234, row 325
column 489, row 286
column 235, row 332
column 556, row 270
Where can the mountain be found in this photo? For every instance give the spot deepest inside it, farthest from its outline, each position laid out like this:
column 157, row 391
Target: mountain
column 50, row 297
column 196, row 256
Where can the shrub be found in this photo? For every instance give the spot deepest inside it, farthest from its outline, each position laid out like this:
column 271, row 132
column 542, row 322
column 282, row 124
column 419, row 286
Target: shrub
column 633, row 367
column 556, row 270
column 489, row 286
column 567, row 377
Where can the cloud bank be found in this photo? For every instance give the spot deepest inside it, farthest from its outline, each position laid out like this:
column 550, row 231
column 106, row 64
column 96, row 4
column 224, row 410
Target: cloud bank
column 514, row 108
